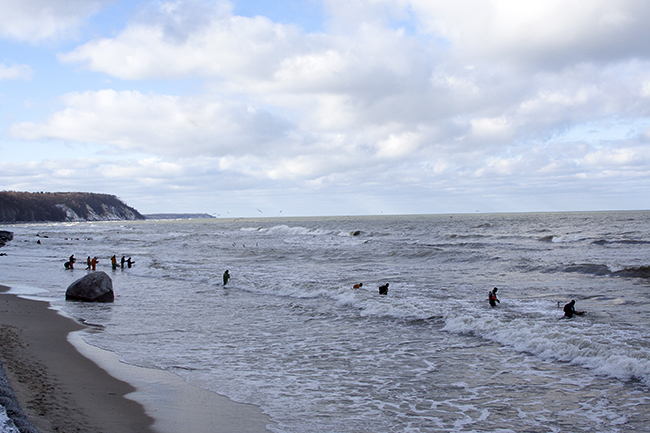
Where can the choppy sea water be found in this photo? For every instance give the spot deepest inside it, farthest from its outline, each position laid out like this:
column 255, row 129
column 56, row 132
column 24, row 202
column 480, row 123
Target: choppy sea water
column 290, row 335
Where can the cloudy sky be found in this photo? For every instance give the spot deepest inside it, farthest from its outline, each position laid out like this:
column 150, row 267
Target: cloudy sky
column 329, row 107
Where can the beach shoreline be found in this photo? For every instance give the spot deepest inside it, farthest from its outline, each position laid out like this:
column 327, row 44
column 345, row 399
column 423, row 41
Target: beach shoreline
column 63, row 384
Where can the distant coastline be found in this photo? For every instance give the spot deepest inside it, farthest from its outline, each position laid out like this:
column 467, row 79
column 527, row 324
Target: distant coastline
column 177, row 216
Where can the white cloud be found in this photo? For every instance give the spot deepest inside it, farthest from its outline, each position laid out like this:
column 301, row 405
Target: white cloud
column 37, row 20
column 545, row 32
column 645, row 135
column 194, row 38
column 225, row 46
column 492, row 129
column 149, row 170
column 619, row 159
column 398, row 145
column 158, row 124
column 392, row 95
column 15, row 72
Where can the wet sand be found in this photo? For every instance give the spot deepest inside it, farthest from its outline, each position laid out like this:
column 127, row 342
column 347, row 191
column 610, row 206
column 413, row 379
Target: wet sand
column 63, row 385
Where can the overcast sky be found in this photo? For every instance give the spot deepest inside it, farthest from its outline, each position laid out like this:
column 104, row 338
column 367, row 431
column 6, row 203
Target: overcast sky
column 329, row 107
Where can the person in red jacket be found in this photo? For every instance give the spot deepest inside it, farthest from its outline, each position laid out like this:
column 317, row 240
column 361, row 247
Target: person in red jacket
column 492, row 298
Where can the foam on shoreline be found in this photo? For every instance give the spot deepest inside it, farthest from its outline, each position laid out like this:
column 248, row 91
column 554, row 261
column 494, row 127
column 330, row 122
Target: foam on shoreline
column 61, row 382
column 175, row 404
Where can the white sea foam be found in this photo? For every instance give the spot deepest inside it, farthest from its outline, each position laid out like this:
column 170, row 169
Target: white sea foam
column 293, row 231
column 6, row 424
column 289, row 333
column 604, row 350
column 567, row 238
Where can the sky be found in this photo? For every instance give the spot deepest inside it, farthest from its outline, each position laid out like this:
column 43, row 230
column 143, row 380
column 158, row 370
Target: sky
column 329, row 107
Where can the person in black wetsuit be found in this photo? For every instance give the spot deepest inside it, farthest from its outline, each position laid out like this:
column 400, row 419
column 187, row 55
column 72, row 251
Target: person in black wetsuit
column 226, row 277
column 492, row 297
column 570, row 309
column 383, row 290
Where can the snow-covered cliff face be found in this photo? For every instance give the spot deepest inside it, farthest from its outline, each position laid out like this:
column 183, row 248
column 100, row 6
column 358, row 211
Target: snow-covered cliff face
column 106, row 213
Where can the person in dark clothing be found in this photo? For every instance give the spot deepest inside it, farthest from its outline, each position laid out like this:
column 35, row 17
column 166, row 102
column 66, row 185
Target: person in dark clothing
column 570, row 310
column 492, row 297
column 70, row 263
column 226, row 277
column 383, row 290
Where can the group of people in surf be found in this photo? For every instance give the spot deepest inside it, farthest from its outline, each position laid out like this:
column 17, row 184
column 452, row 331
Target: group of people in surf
column 124, row 261
column 383, row 289
column 91, row 264
column 569, row 309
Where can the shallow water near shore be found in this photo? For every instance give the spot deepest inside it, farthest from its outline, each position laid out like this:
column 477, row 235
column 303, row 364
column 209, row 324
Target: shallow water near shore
column 175, row 405
column 290, row 335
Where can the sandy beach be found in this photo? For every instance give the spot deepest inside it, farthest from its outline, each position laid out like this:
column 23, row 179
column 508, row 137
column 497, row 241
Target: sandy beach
column 61, row 390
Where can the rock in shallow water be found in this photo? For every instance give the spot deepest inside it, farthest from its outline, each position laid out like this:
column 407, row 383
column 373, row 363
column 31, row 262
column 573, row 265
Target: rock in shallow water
column 5, row 237
column 94, row 287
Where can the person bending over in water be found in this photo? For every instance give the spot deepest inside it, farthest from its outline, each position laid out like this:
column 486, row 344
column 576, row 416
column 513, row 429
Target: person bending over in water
column 357, row 286
column 70, row 263
column 570, row 310
column 383, row 290
column 492, row 298
column 226, row 277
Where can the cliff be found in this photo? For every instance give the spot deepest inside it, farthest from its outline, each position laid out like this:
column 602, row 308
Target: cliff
column 63, row 206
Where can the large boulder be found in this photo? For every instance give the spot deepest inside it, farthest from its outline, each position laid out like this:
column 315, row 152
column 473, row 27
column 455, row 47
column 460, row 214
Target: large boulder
column 94, row 287
column 5, row 237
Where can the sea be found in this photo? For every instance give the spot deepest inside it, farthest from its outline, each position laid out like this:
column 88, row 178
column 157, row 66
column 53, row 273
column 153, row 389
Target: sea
column 289, row 334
